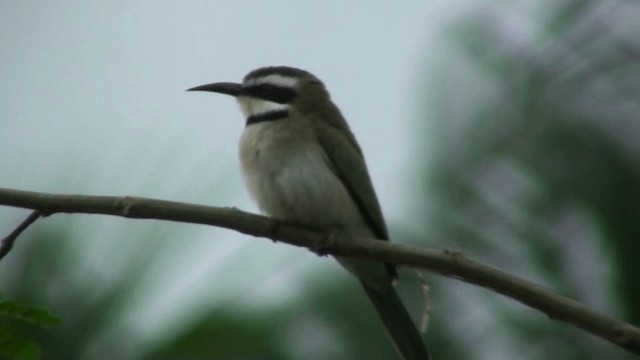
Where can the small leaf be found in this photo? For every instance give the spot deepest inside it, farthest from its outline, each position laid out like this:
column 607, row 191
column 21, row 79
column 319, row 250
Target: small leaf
column 18, row 311
column 16, row 348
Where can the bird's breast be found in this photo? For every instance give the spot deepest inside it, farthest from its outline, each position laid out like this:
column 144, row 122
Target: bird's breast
column 290, row 177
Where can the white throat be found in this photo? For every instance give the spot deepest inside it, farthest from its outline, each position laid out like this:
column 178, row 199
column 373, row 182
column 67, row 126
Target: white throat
column 254, row 107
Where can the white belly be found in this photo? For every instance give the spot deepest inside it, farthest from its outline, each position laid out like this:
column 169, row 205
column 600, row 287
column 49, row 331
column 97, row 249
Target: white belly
column 290, row 179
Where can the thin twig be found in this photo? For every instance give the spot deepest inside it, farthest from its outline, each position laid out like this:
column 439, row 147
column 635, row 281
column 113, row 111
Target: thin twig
column 7, row 242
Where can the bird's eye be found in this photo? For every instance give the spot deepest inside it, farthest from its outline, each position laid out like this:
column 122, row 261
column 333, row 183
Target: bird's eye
column 266, row 89
column 279, row 94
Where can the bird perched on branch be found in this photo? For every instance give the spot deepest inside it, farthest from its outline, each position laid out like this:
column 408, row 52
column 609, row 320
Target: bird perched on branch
column 302, row 164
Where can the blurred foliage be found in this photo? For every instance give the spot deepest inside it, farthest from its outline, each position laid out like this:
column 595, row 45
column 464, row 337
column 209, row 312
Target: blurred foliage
column 47, row 274
column 538, row 169
column 216, row 337
column 532, row 166
column 327, row 323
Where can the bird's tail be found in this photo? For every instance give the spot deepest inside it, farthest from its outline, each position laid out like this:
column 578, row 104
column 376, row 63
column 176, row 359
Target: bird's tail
column 406, row 337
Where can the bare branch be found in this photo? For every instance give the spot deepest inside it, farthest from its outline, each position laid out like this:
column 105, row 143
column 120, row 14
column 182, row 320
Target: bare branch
column 7, row 242
column 449, row 263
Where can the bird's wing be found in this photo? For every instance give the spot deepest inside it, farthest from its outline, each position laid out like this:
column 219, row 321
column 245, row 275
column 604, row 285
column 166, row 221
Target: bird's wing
column 349, row 165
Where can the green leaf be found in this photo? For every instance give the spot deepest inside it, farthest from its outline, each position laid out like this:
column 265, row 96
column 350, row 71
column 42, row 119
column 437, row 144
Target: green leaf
column 37, row 316
column 16, row 348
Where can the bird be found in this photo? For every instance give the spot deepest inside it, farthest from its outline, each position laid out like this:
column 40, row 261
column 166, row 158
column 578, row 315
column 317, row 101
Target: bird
column 302, row 164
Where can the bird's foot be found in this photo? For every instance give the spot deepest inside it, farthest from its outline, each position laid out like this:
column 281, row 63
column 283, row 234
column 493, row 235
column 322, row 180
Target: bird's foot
column 325, row 242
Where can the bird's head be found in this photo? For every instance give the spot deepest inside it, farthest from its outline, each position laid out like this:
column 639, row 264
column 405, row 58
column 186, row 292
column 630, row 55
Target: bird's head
column 273, row 92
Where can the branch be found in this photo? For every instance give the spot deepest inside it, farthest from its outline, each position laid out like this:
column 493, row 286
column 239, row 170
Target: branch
column 449, row 263
column 9, row 240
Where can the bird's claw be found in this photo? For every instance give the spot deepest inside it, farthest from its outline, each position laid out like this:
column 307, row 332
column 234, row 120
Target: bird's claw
column 324, row 242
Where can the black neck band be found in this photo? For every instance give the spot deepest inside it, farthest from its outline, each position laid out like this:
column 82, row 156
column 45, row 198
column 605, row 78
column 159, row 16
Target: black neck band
column 268, row 116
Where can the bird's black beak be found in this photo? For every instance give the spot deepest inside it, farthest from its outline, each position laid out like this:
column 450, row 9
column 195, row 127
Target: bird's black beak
column 232, row 89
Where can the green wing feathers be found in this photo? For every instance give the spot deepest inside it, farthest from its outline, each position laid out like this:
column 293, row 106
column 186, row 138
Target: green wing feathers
column 348, row 163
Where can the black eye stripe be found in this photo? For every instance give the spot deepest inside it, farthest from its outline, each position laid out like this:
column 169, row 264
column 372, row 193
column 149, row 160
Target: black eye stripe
column 269, row 116
column 278, row 94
